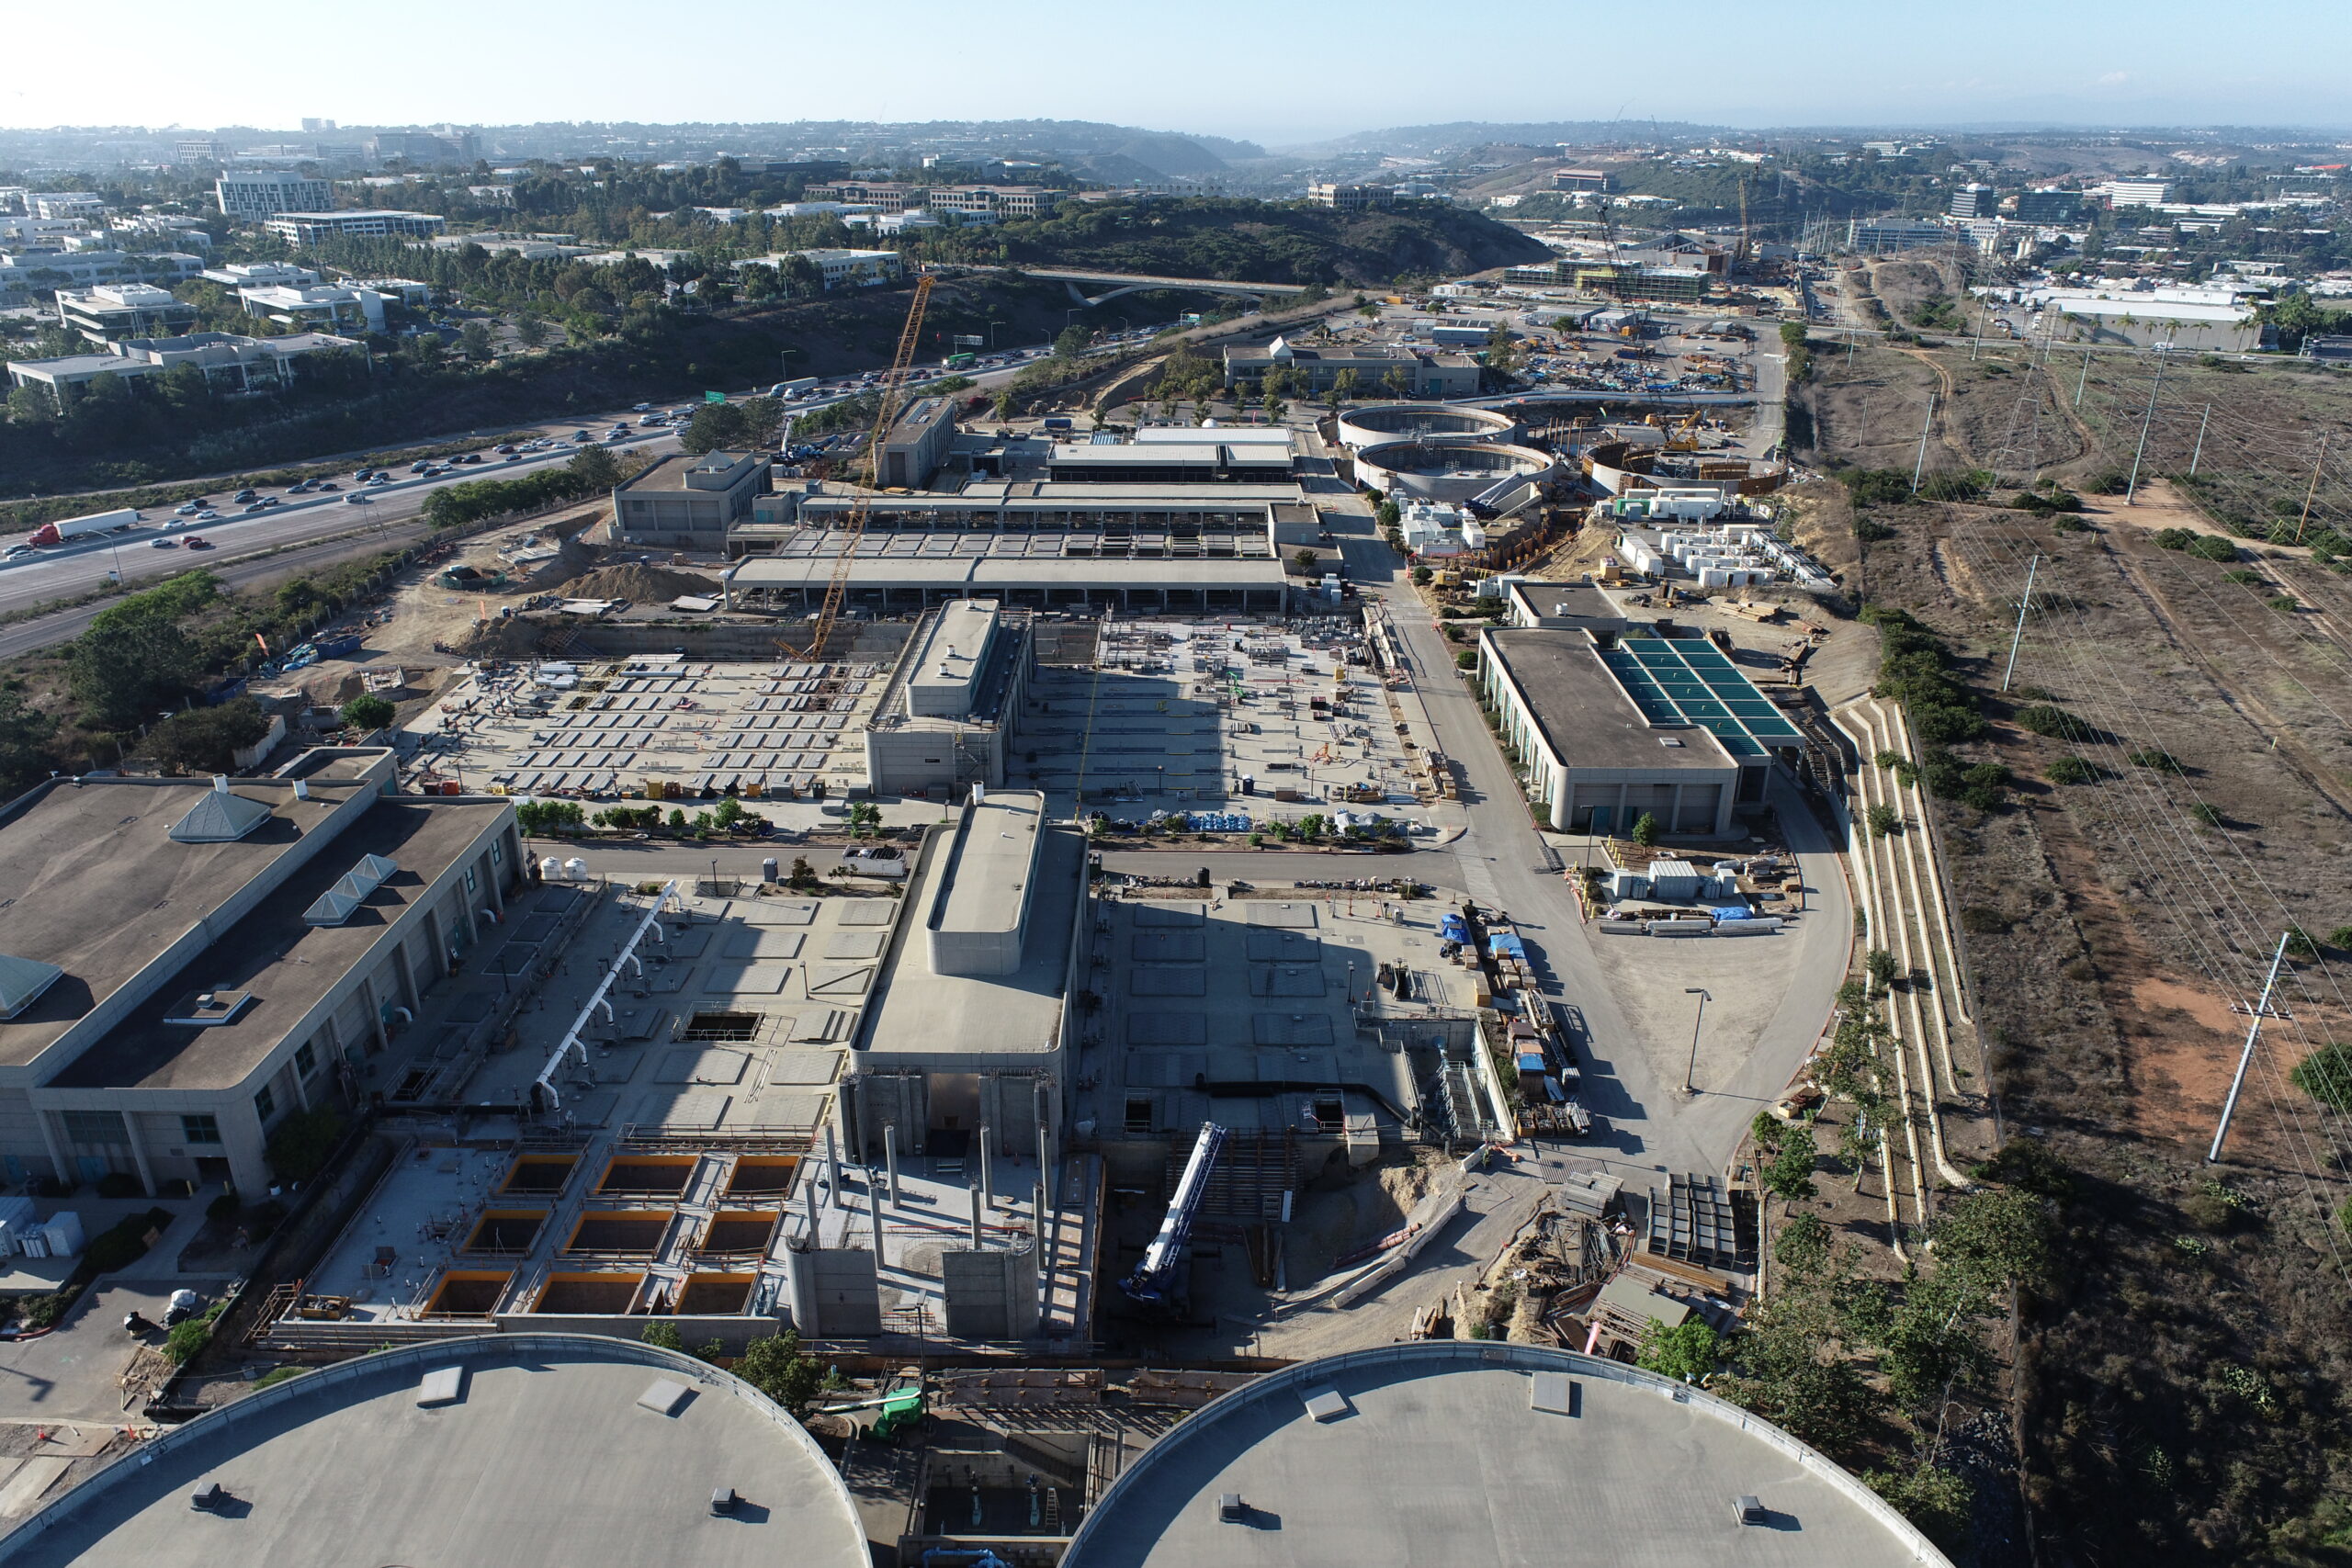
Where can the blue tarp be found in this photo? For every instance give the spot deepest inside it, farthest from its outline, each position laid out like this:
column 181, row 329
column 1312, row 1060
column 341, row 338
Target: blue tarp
column 1454, row 927
column 1733, row 912
column 1506, row 944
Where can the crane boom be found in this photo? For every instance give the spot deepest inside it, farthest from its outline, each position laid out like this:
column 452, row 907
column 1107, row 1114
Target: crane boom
column 894, row 399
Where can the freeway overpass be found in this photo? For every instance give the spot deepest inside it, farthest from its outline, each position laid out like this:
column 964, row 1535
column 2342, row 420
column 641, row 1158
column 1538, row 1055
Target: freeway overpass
column 1134, row 283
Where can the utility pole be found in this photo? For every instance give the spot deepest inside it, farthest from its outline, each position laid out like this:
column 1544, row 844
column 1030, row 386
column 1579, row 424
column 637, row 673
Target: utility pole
column 2083, row 380
column 2131, row 487
column 2193, row 456
column 1920, row 465
column 2018, row 636
column 2310, row 494
column 2245, row 1057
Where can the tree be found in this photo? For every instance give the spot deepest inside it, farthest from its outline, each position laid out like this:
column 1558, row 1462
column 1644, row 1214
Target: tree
column 1305, row 561
column 778, row 1367
column 595, row 468
column 1645, row 830
column 530, row 331
column 367, row 713
column 1880, row 966
column 299, row 1145
column 474, row 339
column 207, row 740
column 1072, row 341
column 122, row 672
column 1686, row 1353
column 550, row 817
column 1803, row 1248
column 1343, row 386
column 664, row 1335
column 1789, row 1173
column 1883, row 821
column 24, row 735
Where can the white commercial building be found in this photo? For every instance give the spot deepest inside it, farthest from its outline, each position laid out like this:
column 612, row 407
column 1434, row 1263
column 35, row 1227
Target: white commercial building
column 328, row 305
column 265, row 192
column 853, row 269
column 66, row 204
column 309, row 228
column 260, row 275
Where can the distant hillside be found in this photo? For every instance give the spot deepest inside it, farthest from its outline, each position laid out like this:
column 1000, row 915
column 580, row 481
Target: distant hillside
column 1432, row 139
column 1259, row 242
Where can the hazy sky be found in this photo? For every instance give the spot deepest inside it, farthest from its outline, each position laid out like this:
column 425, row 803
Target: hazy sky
column 1265, row 69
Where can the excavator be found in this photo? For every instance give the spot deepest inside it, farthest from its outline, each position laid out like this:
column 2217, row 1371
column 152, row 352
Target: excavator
column 893, row 402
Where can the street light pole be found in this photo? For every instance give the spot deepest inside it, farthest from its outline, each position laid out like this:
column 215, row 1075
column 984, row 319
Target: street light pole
column 1689, row 1072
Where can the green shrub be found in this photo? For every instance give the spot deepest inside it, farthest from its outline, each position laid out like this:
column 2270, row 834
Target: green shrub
column 2113, row 481
column 187, row 1340
column 1883, row 821
column 1978, row 921
column 2206, row 814
column 2212, row 547
column 2171, row 538
column 2050, row 719
column 2326, row 1075
column 2071, row 770
column 2245, row 575
column 2300, row 943
column 2340, row 938
column 2285, row 603
column 125, row 1242
column 1871, row 531
column 2163, row 762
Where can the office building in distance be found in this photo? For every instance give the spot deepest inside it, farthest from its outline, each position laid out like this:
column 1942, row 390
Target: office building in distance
column 309, row 228
column 263, row 193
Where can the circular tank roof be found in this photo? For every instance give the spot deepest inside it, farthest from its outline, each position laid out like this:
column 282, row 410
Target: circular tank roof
column 1476, row 1454
column 1380, row 422
column 557, row 1448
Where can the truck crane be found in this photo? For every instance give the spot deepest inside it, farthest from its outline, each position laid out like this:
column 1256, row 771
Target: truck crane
column 893, row 400
column 1155, row 1280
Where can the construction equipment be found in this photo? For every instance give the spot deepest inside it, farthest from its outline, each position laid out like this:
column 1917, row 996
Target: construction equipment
column 901, row 1410
column 1157, row 1280
column 894, row 401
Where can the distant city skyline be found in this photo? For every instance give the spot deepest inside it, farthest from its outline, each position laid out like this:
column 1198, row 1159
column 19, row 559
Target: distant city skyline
column 1273, row 74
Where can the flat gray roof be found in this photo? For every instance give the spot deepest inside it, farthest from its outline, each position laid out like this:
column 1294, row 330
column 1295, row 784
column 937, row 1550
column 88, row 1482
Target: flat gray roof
column 546, row 1457
column 918, row 1011
column 1437, row 1452
column 287, row 964
column 991, row 862
column 1585, row 716
column 992, row 576
column 92, row 881
column 1580, row 599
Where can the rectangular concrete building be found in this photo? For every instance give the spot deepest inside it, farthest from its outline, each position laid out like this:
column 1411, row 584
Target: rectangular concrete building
column 1587, row 753
column 971, row 1025
column 945, row 719
column 184, row 962
column 688, row 502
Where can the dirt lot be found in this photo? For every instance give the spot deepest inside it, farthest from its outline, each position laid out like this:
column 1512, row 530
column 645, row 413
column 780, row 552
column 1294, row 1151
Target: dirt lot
column 2180, row 1387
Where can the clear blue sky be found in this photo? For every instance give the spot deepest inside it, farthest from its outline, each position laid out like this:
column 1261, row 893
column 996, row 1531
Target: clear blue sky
column 1269, row 71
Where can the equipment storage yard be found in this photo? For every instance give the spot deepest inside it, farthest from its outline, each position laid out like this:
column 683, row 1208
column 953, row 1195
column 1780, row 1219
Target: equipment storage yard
column 597, row 728
column 1236, row 714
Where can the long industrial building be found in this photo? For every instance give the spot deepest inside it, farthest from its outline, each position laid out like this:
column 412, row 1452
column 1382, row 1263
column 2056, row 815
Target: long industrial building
column 1176, row 520
column 183, row 964
column 1606, row 729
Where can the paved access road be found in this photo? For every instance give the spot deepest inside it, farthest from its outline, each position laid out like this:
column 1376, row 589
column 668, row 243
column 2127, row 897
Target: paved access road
column 1644, row 1123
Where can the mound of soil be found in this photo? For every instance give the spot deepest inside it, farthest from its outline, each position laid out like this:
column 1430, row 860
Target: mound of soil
column 643, row 584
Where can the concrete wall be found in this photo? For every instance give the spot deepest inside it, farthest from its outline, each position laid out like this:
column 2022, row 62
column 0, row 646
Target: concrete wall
column 834, row 1292
column 990, row 1295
